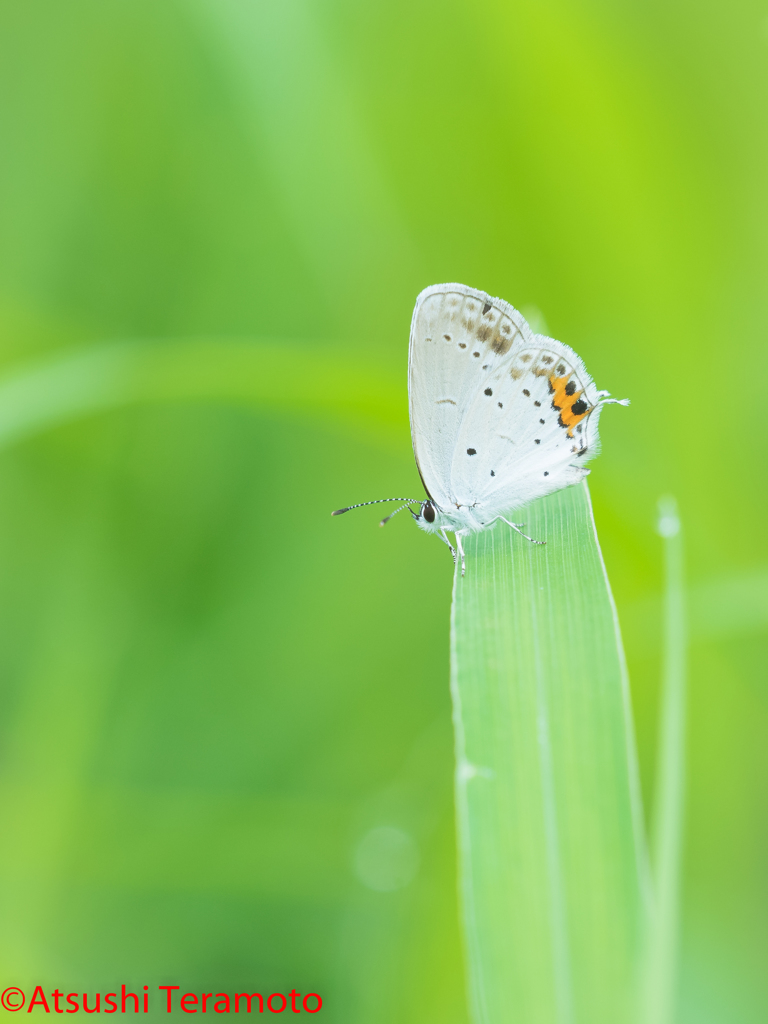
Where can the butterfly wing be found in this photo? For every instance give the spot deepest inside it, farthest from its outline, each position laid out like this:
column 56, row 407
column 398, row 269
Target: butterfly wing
column 499, row 416
column 529, row 430
column 458, row 336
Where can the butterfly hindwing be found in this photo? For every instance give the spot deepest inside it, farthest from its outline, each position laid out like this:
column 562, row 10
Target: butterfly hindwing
column 529, row 431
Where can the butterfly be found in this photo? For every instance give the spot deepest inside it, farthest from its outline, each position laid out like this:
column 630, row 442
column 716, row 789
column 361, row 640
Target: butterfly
column 500, row 416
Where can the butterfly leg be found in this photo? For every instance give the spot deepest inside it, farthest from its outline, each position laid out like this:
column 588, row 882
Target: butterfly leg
column 516, row 528
column 445, row 540
column 461, row 553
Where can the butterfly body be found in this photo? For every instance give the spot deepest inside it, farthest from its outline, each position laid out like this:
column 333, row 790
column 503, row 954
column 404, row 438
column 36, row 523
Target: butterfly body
column 459, row 519
column 500, row 416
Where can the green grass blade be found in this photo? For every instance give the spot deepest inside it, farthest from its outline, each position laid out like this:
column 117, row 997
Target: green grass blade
column 553, row 867
column 670, row 788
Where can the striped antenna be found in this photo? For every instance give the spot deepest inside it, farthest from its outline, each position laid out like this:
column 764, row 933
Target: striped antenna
column 391, row 514
column 341, row 511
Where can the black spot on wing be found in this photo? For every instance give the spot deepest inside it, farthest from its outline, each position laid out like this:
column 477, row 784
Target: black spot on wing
column 526, row 392
column 488, row 391
column 492, row 473
column 471, row 451
column 570, row 387
column 579, row 407
column 486, row 307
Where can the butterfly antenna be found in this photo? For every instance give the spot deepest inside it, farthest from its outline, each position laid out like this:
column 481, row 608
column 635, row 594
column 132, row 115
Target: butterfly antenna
column 341, row 511
column 386, row 520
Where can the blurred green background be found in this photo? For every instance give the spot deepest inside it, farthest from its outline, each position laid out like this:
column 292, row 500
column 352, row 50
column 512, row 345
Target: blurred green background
column 225, row 716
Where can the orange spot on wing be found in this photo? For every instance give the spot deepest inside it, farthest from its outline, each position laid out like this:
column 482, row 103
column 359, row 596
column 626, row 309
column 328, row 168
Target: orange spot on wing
column 565, row 402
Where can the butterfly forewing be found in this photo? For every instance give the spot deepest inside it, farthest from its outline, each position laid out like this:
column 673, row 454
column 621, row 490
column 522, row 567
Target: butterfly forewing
column 459, row 337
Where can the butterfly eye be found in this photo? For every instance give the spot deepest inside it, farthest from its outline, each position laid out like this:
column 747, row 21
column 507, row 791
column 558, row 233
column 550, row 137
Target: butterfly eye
column 428, row 511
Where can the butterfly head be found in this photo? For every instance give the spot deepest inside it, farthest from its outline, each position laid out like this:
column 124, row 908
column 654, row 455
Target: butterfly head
column 427, row 516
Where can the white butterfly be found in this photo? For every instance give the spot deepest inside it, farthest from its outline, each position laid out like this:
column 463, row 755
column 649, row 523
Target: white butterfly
column 499, row 415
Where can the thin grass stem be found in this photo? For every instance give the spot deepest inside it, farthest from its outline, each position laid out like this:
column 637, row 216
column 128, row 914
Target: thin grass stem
column 669, row 800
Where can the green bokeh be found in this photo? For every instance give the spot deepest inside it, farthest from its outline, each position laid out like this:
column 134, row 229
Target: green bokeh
column 212, row 691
